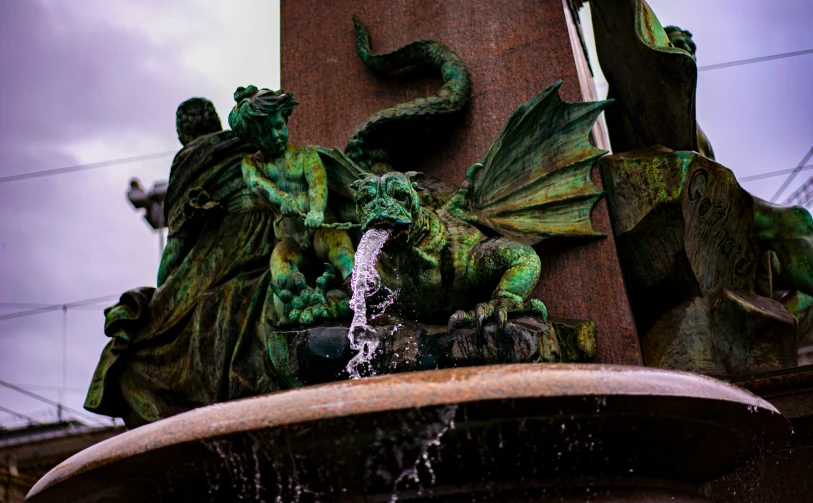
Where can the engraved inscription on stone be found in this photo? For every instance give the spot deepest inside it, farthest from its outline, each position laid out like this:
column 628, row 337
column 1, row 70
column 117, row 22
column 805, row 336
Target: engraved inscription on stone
column 717, row 220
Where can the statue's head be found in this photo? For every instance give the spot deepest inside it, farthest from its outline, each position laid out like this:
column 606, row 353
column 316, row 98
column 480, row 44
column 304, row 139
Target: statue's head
column 389, row 201
column 196, row 117
column 681, row 39
column 261, row 118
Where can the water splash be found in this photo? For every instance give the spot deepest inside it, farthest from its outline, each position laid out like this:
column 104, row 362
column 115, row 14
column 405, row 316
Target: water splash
column 446, row 416
column 365, row 283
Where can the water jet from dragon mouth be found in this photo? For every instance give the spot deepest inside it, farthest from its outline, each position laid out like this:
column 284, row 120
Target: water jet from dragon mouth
column 365, row 283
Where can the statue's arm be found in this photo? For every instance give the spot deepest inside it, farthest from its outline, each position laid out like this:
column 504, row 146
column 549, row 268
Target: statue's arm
column 316, row 176
column 259, row 184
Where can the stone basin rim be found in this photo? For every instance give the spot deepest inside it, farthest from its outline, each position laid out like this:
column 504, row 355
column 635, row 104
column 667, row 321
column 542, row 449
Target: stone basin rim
column 397, row 392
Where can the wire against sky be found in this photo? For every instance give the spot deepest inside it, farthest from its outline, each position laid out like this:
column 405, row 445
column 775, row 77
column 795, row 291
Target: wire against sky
column 83, row 167
column 53, row 403
column 57, row 307
column 792, row 175
column 158, row 155
column 760, row 176
column 740, row 62
column 50, row 387
column 21, row 416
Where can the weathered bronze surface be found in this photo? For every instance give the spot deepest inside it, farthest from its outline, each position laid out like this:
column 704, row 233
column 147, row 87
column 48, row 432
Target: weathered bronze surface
column 719, row 281
column 513, row 50
column 533, row 183
column 652, row 81
column 293, row 182
column 213, row 330
column 500, row 433
column 692, row 243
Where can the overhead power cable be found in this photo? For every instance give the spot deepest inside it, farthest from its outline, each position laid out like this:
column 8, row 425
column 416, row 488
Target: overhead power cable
column 769, row 174
column 50, row 387
column 749, row 61
column 83, row 167
column 802, row 196
column 792, row 175
column 740, row 62
column 21, row 416
column 57, row 307
column 53, row 403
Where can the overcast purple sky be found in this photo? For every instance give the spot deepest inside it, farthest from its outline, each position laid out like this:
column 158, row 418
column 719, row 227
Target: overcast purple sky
column 90, row 81
column 98, row 79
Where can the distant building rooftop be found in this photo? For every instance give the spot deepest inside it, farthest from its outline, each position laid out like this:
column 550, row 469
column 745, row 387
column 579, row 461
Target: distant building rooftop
column 28, row 453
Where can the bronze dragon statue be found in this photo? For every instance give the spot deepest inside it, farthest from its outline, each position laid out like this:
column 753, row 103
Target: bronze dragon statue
column 444, row 252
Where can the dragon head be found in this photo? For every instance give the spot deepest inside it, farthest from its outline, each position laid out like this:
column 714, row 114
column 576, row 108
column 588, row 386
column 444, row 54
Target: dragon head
column 389, row 201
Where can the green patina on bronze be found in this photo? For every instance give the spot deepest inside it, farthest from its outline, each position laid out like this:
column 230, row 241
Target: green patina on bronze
column 719, row 280
column 293, row 182
column 713, row 273
column 261, row 234
column 534, row 182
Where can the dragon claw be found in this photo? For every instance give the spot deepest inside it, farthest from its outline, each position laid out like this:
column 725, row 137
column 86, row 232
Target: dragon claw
column 496, row 310
column 481, row 314
column 458, row 319
column 501, row 315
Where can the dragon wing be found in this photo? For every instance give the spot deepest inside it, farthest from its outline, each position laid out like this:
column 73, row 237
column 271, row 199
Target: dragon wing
column 535, row 178
column 341, row 173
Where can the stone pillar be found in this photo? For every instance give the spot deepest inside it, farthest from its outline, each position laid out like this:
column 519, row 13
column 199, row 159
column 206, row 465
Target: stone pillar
column 513, row 49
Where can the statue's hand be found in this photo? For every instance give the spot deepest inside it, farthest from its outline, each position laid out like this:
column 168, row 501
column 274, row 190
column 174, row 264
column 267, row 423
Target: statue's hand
column 288, row 206
column 496, row 309
column 314, row 218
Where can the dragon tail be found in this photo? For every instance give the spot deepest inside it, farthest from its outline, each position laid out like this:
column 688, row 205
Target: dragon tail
column 371, row 141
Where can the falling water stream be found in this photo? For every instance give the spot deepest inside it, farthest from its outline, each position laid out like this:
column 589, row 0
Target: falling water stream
column 365, row 283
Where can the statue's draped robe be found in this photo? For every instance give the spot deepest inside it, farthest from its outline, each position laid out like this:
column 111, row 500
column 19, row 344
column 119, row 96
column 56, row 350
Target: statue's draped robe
column 195, row 340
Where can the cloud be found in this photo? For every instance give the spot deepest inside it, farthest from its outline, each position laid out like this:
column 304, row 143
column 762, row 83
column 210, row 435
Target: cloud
column 90, row 81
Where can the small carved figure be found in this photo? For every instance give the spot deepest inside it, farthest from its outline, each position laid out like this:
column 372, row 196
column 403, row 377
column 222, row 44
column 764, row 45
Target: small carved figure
column 152, row 202
column 293, row 182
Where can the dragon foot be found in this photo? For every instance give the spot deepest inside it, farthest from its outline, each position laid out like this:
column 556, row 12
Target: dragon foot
column 496, row 310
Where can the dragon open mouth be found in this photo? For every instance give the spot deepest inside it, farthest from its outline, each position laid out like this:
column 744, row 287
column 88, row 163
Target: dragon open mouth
column 399, row 232
column 398, row 236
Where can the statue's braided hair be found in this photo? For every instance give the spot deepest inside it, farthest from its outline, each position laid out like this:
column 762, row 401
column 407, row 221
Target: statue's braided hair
column 253, row 103
column 196, row 117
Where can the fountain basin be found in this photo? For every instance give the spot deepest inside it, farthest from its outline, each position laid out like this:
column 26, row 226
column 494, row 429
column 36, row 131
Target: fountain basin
column 541, row 432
